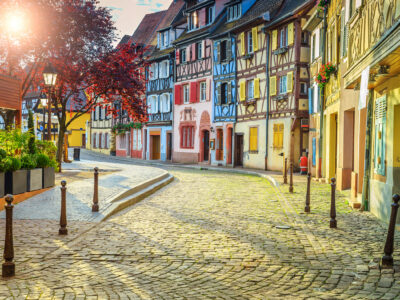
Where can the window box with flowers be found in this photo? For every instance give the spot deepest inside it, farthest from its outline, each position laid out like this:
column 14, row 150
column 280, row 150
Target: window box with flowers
column 323, row 5
column 324, row 74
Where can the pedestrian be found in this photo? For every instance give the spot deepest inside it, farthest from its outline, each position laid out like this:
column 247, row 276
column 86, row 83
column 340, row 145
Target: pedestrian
column 304, row 164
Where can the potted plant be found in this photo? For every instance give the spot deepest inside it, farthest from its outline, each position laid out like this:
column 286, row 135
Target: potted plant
column 35, row 175
column 15, row 178
column 48, row 170
column 3, row 155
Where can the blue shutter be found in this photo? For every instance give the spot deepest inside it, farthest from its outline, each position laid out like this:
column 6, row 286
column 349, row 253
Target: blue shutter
column 380, row 136
column 314, row 151
column 310, row 100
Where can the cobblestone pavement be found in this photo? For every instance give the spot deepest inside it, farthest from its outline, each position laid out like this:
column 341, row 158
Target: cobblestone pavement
column 80, row 193
column 211, row 235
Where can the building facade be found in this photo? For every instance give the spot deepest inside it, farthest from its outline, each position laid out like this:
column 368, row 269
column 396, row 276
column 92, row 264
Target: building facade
column 100, row 130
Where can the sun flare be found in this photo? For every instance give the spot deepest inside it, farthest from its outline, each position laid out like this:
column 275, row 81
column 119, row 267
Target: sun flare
column 15, row 22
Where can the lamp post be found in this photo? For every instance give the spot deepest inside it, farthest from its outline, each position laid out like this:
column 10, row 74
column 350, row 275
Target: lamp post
column 50, row 77
column 43, row 101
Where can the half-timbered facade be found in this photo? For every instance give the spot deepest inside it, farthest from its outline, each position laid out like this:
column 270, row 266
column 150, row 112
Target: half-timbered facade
column 193, row 130
column 159, row 90
column 288, row 85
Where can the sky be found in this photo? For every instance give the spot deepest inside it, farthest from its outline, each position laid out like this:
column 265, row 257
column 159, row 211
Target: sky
column 127, row 14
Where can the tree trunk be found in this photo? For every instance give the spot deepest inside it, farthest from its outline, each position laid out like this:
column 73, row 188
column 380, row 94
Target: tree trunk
column 60, row 142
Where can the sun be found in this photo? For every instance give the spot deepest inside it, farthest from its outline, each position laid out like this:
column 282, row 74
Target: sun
column 15, row 22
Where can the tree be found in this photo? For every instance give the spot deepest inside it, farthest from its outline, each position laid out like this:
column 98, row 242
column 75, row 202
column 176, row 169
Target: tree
column 31, row 130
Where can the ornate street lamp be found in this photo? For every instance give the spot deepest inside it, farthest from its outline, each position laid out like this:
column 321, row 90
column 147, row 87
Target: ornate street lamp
column 50, row 77
column 43, row 101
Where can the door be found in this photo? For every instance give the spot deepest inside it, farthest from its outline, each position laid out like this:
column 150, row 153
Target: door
column 239, row 150
column 155, row 143
column 169, row 146
column 83, row 140
column 206, row 145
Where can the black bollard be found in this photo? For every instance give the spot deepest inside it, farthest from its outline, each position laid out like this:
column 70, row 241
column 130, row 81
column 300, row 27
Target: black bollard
column 8, row 267
column 307, row 207
column 387, row 259
column 333, row 223
column 291, row 178
column 63, row 217
column 95, row 206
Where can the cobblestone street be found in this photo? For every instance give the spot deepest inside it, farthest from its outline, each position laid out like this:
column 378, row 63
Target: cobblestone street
column 208, row 235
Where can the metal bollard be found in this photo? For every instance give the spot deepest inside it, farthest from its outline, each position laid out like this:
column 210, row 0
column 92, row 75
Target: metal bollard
column 63, row 217
column 333, row 223
column 8, row 268
column 95, row 206
column 387, row 259
column 285, row 172
column 307, row 207
column 291, row 178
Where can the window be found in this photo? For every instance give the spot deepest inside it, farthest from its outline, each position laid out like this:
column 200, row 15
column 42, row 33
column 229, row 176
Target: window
column 253, row 139
column 234, row 12
column 283, row 37
column 313, row 39
column 250, row 89
column 139, row 139
column 94, row 140
column 199, row 50
column 203, row 91
column 224, row 93
column 153, row 71
column 107, row 140
column 187, row 137
column 164, row 69
column 304, row 37
column 193, row 21
column 250, row 42
column 121, row 141
column 223, row 51
column 165, row 106
column 182, row 54
column 164, row 39
column 186, row 94
column 380, row 136
column 278, row 136
column 303, row 88
column 283, row 85
column 210, row 14
column 153, row 105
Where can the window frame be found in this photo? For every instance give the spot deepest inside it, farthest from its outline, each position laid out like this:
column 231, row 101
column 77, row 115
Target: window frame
column 223, row 50
column 199, row 50
column 249, row 39
column 281, row 85
column 250, row 87
column 208, row 15
column 224, row 93
column 185, row 93
column 182, row 55
column 203, row 84
column 187, row 137
column 283, row 36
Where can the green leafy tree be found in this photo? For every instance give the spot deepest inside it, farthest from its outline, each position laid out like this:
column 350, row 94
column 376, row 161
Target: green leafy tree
column 31, row 129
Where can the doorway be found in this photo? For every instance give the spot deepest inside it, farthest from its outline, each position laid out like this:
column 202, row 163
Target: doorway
column 155, row 147
column 83, row 140
column 169, row 146
column 206, row 145
column 239, row 150
column 220, row 145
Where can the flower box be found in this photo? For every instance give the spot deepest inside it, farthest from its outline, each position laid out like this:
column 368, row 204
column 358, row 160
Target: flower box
column 34, row 179
column 49, row 177
column 16, row 182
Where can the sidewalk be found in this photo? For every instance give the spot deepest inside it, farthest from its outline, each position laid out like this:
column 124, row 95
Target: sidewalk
column 80, row 193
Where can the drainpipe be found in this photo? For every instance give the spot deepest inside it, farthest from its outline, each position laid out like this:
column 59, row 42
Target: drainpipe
column 321, row 117
column 267, row 117
column 367, row 158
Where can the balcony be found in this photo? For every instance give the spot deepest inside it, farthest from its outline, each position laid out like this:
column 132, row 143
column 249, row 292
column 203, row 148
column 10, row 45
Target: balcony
column 160, row 117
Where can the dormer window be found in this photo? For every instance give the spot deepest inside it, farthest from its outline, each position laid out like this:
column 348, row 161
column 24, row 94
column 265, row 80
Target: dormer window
column 234, row 12
column 210, row 15
column 164, row 39
column 193, row 21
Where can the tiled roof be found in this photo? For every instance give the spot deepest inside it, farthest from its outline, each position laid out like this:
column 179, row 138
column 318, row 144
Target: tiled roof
column 258, row 9
column 124, row 40
column 288, row 9
column 144, row 33
column 186, row 35
column 172, row 12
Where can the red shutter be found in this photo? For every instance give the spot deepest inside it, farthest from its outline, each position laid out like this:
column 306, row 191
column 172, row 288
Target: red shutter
column 194, row 54
column 193, row 92
column 178, row 94
column 178, row 57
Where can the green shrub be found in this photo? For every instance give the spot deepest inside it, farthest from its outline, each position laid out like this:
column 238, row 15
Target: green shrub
column 28, row 162
column 12, row 164
column 31, row 141
column 46, row 147
column 42, row 161
column 3, row 154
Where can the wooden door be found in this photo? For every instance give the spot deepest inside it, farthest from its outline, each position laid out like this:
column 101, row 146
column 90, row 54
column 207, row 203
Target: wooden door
column 155, row 151
column 206, row 145
column 169, row 146
column 239, row 150
column 83, row 140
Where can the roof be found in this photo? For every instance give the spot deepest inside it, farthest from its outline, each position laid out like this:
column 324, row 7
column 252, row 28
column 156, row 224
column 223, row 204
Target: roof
column 255, row 12
column 188, row 35
column 173, row 12
column 124, row 40
column 144, row 33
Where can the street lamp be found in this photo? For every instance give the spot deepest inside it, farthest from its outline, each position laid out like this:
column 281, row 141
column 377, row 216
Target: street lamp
column 50, row 77
column 43, row 101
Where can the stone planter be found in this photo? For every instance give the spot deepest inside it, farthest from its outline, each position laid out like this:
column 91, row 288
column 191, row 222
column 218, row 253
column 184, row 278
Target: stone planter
column 2, row 185
column 16, row 182
column 35, row 180
column 49, row 177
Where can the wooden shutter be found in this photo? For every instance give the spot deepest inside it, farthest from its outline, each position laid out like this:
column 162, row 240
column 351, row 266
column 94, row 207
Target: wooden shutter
column 380, row 135
column 254, row 31
column 229, row 49
column 274, row 39
column 203, row 49
column 230, row 98
column 256, row 88
column 290, row 34
column 278, row 135
column 218, row 52
column 219, row 94
column 310, row 100
column 178, row 56
column 253, row 139
column 243, row 90
column 314, row 151
column 242, row 44
column 272, row 86
column 193, row 92
column 178, row 94
column 289, row 82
